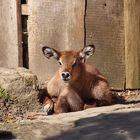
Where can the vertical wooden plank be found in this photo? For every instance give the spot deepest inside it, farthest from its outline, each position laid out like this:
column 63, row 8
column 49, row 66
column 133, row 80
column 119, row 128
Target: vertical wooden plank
column 132, row 43
column 19, row 33
column 8, row 34
column 24, row 9
column 105, row 29
column 55, row 23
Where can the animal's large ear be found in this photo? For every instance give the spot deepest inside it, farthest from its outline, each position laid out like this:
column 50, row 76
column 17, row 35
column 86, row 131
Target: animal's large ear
column 49, row 52
column 87, row 51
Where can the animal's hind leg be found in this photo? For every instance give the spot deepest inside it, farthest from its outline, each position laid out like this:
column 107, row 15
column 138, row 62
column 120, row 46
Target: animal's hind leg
column 102, row 94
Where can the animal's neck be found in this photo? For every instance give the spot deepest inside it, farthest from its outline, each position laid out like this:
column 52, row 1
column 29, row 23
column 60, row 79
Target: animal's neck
column 78, row 84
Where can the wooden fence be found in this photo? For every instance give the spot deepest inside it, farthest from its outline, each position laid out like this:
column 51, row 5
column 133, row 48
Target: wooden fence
column 113, row 26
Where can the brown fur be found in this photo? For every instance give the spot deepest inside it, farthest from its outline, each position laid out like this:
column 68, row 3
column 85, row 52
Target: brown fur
column 86, row 88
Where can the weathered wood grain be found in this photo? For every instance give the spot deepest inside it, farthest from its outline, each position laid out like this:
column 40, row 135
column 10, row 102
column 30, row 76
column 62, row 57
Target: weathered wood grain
column 105, row 28
column 19, row 32
column 132, row 43
column 8, row 34
column 24, row 8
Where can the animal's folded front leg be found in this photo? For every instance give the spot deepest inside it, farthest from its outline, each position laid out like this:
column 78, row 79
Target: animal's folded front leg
column 68, row 101
column 48, row 106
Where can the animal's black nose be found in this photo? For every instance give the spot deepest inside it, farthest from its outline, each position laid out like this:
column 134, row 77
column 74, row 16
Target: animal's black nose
column 65, row 75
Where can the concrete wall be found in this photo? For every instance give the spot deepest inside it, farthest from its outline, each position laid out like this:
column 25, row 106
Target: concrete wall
column 8, row 34
column 55, row 23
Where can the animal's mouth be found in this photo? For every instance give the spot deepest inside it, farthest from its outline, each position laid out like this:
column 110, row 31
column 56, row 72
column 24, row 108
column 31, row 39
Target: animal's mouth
column 66, row 79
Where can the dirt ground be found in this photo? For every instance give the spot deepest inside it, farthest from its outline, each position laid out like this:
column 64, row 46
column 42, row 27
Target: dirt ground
column 13, row 110
column 26, row 121
column 21, row 93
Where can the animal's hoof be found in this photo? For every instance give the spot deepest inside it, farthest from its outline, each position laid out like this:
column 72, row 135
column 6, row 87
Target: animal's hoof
column 48, row 108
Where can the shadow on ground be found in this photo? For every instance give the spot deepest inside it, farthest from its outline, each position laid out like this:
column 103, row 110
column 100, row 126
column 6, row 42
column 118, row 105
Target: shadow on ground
column 6, row 135
column 115, row 126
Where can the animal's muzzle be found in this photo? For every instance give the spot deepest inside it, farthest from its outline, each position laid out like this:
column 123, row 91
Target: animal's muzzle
column 65, row 76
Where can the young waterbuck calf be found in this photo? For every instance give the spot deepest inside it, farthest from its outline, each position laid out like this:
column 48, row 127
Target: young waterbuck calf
column 75, row 85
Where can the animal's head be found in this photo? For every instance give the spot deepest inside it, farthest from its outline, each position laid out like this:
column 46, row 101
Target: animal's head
column 70, row 61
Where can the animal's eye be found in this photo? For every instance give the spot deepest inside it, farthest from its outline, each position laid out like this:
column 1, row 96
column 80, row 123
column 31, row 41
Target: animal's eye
column 60, row 63
column 74, row 64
